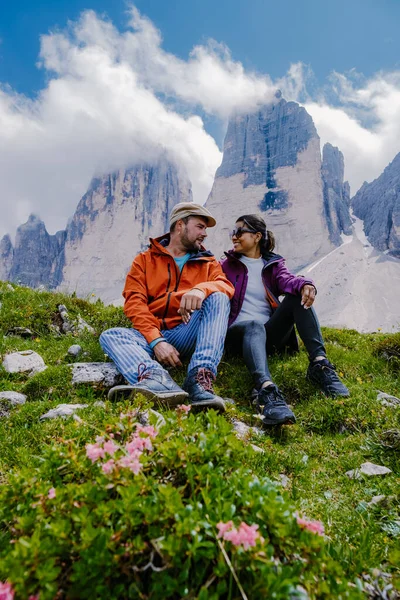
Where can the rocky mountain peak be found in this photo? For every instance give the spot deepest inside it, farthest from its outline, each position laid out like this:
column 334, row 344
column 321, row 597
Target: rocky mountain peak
column 378, row 204
column 336, row 193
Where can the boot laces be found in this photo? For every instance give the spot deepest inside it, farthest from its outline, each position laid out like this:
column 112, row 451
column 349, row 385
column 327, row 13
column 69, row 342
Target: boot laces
column 205, row 378
column 143, row 372
column 272, row 396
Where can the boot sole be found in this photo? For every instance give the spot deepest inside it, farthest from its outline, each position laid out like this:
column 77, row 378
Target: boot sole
column 288, row 421
column 169, row 399
column 218, row 405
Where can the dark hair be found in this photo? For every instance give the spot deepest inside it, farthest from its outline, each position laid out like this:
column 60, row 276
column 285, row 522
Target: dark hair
column 184, row 219
column 267, row 242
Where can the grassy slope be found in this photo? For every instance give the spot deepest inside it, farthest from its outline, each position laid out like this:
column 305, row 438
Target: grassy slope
column 331, row 437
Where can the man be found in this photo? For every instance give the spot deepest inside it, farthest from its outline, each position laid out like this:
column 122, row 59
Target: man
column 177, row 297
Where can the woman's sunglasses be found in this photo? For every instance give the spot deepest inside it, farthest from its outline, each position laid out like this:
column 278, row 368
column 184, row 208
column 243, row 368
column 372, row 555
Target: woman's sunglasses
column 239, row 231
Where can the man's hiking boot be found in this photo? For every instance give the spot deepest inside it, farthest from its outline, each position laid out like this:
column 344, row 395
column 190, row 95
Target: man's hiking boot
column 322, row 373
column 272, row 405
column 198, row 384
column 154, row 384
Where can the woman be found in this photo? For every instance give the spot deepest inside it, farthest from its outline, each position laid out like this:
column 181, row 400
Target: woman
column 259, row 323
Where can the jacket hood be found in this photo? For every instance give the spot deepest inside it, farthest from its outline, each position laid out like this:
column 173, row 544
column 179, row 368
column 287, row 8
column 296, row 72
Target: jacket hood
column 269, row 257
column 158, row 245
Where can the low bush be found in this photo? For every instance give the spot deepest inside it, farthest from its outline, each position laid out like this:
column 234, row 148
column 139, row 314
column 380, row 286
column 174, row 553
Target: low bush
column 155, row 514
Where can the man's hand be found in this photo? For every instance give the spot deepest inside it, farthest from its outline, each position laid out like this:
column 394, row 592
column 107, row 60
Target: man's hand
column 168, row 355
column 190, row 302
column 307, row 295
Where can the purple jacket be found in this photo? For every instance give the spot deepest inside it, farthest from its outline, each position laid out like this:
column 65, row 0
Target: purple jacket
column 276, row 278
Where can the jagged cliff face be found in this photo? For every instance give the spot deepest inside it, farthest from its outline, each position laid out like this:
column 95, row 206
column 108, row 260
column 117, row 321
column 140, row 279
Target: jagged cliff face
column 6, row 257
column 336, row 194
column 378, row 204
column 36, row 255
column 272, row 166
column 113, row 222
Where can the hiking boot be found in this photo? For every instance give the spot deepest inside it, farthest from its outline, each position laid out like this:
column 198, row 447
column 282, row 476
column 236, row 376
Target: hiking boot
column 198, row 384
column 154, row 384
column 272, row 405
column 322, row 373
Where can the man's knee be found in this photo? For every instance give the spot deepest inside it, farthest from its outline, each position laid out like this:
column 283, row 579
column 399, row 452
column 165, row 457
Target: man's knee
column 118, row 333
column 218, row 299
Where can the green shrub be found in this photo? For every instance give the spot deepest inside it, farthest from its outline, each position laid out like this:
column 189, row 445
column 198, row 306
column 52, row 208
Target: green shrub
column 389, row 349
column 70, row 530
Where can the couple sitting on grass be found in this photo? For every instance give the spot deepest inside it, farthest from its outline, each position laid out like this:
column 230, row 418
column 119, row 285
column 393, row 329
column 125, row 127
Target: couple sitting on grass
column 183, row 303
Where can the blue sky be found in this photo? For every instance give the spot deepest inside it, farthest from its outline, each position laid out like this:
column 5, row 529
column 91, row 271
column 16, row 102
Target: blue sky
column 264, row 35
column 122, row 85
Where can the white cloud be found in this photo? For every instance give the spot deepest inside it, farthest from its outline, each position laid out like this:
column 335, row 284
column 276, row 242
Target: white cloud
column 114, row 98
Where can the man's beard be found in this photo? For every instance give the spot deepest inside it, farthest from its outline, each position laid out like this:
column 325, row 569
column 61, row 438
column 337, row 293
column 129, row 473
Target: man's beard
column 188, row 244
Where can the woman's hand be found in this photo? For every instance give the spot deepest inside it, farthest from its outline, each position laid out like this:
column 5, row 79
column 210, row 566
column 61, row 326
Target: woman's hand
column 307, row 295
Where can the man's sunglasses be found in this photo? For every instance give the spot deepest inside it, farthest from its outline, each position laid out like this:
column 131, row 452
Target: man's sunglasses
column 239, row 231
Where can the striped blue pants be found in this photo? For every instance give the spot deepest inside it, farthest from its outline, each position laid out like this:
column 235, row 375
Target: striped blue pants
column 203, row 338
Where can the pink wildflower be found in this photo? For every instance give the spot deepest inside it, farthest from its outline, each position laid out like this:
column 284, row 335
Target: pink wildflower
column 51, row 494
column 6, row 591
column 313, row 526
column 148, row 429
column 131, row 463
column 110, row 447
column 94, row 452
column 108, row 466
column 183, row 408
column 245, row 535
column 35, row 597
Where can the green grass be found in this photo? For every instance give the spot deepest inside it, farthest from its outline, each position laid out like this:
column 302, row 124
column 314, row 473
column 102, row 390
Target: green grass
column 330, row 437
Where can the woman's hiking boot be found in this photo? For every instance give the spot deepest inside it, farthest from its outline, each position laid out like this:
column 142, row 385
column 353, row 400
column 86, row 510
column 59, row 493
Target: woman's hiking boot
column 199, row 385
column 272, row 405
column 322, row 373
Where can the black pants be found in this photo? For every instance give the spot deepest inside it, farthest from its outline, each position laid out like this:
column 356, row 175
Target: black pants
column 253, row 340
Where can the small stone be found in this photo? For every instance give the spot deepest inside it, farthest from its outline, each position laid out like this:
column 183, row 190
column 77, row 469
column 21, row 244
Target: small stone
column 22, row 362
column 244, row 431
column 99, row 403
column 144, row 418
column 369, row 469
column 387, row 399
column 304, row 459
column 284, row 480
column 62, row 410
column 37, row 370
column 375, row 500
column 74, row 350
column 257, row 449
column 13, row 398
column 96, row 373
column 23, row 332
column 10, row 287
column 83, row 326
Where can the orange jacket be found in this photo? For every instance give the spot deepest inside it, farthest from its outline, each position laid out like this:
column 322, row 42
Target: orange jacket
column 154, row 286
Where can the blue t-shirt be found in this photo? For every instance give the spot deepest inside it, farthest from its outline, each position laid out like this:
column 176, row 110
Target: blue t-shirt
column 182, row 260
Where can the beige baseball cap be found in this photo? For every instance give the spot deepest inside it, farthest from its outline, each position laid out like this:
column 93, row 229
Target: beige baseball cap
column 188, row 209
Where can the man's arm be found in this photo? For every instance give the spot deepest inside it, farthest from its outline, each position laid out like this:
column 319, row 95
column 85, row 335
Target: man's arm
column 136, row 302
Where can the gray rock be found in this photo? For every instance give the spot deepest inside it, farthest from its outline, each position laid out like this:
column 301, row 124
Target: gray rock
column 96, row 373
column 10, row 287
column 36, row 370
column 378, row 205
column 387, row 399
column 243, row 431
column 22, row 362
column 144, row 418
column 13, row 398
column 74, row 350
column 336, row 194
column 284, row 480
column 369, row 469
column 257, row 449
column 62, row 410
column 376, row 500
column 99, row 404
column 82, row 326
column 23, row 332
